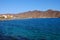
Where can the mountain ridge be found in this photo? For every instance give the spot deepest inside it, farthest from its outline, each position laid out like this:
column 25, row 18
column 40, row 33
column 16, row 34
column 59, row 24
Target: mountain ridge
column 41, row 14
column 33, row 14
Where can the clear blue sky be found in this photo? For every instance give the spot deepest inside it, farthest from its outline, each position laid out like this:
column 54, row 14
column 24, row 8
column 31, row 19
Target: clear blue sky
column 16, row 6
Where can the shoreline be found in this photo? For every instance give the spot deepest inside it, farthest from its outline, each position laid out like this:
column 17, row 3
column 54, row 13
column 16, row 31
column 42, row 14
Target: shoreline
column 20, row 18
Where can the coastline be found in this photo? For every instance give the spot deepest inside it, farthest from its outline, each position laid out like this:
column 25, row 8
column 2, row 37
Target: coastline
column 26, row 18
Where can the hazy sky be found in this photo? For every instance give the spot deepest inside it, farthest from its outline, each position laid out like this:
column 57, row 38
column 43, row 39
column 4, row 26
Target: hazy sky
column 16, row 6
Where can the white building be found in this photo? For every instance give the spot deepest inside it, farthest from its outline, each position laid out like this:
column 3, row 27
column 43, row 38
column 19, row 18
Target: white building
column 4, row 16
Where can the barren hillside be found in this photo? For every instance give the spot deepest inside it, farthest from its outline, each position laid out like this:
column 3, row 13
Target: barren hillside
column 34, row 14
column 39, row 14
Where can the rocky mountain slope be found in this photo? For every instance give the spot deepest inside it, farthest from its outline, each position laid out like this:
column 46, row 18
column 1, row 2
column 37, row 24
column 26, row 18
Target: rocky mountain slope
column 33, row 14
column 39, row 14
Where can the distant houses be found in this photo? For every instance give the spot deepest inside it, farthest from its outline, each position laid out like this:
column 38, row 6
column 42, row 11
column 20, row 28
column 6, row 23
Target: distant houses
column 6, row 16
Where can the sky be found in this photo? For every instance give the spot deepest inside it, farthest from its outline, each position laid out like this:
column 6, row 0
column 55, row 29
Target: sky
column 18, row 6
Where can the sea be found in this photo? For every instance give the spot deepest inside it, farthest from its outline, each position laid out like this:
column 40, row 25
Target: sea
column 30, row 29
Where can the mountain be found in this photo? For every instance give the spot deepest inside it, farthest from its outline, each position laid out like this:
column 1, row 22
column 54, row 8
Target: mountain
column 33, row 14
column 39, row 14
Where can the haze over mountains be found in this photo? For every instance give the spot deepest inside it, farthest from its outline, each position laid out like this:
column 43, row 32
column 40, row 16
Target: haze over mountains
column 36, row 14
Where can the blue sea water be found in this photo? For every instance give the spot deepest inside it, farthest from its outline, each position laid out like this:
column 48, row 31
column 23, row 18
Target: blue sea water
column 32, row 29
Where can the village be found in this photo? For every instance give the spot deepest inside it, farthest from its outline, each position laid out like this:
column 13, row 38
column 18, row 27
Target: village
column 6, row 17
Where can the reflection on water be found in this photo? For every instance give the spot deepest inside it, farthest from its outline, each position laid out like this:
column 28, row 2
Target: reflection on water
column 30, row 29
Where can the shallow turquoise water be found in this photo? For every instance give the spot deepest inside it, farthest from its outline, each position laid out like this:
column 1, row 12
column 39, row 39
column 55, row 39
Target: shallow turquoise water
column 37, row 28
